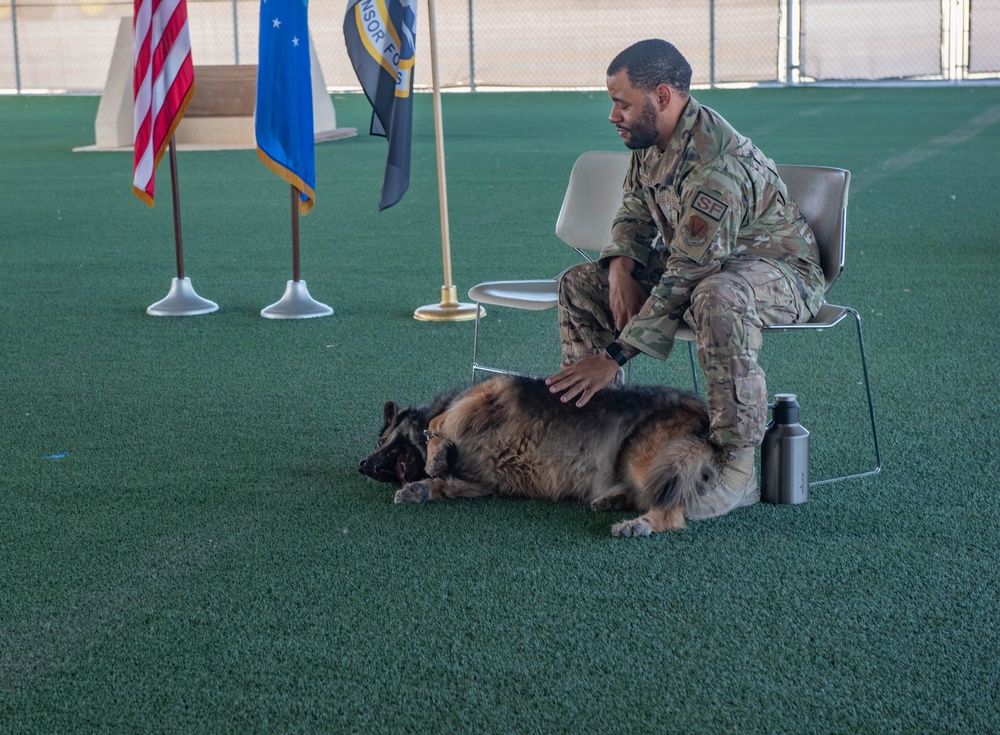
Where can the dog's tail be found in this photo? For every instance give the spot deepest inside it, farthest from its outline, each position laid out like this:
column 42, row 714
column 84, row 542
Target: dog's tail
column 681, row 470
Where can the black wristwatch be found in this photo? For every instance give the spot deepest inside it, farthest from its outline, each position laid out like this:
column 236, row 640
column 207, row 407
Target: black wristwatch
column 616, row 353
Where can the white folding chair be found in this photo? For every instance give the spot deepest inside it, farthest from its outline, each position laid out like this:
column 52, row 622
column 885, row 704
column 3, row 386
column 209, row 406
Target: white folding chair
column 593, row 196
column 590, row 204
column 821, row 193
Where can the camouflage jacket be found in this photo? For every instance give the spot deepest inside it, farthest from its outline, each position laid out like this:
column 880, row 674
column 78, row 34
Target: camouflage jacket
column 713, row 196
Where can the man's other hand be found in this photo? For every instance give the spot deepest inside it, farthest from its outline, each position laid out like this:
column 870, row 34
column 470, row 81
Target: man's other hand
column 625, row 294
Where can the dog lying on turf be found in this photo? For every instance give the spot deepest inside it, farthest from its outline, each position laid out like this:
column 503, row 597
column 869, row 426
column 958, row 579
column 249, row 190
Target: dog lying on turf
column 641, row 448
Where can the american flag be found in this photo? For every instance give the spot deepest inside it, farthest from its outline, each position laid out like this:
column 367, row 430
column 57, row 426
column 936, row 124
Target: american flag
column 163, row 81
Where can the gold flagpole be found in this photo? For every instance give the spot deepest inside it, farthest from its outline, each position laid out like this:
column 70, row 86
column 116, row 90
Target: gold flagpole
column 449, row 310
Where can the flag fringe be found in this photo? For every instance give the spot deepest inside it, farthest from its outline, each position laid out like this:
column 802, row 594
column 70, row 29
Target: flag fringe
column 144, row 196
column 304, row 206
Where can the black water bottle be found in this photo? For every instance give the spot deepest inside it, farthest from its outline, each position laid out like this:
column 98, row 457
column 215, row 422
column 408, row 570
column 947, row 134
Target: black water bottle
column 784, row 455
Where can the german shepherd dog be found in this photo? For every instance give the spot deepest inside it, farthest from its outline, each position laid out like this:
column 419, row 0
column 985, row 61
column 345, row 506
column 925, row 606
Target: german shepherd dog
column 643, row 448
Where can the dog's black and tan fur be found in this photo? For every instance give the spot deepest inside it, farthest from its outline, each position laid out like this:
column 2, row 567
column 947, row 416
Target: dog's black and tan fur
column 643, row 448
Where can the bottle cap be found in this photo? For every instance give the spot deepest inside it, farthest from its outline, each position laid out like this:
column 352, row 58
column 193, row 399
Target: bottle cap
column 786, row 409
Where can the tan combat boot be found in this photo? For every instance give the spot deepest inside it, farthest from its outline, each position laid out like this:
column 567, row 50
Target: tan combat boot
column 735, row 487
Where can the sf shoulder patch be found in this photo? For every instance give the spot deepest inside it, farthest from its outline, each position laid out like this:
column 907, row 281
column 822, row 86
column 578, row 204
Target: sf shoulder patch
column 699, row 225
column 710, row 206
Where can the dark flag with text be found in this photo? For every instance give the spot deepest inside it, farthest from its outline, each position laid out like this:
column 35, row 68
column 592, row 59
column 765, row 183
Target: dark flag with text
column 380, row 37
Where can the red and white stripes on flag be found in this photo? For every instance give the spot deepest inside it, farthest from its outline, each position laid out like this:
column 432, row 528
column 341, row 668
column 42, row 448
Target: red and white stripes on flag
column 163, row 81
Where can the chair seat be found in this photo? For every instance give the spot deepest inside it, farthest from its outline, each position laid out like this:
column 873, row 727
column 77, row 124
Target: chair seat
column 684, row 334
column 829, row 315
column 531, row 295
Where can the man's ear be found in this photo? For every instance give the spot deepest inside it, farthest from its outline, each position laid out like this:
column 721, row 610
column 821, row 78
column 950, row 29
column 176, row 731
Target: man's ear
column 663, row 94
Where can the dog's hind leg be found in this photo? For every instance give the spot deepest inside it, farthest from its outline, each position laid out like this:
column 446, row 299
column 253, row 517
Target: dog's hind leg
column 668, row 475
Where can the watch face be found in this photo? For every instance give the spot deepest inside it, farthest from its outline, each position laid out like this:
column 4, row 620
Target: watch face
column 615, row 352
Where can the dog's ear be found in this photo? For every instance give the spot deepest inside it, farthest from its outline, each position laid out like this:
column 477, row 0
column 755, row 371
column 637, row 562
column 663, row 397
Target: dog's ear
column 389, row 412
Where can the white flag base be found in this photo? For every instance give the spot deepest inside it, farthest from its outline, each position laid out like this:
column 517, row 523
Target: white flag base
column 182, row 301
column 296, row 304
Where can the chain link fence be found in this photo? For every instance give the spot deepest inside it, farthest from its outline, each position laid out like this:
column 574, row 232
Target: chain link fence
column 66, row 45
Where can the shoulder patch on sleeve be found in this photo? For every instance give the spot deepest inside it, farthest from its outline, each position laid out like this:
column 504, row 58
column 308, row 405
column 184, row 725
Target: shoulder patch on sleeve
column 696, row 234
column 710, row 206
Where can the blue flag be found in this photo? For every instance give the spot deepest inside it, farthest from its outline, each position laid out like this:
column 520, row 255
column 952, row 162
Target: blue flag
column 380, row 36
column 285, row 139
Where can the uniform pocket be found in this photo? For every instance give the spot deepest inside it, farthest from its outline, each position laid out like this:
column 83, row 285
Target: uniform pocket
column 766, row 281
column 751, row 390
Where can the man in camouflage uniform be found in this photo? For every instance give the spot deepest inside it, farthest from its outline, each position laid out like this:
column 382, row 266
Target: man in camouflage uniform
column 736, row 255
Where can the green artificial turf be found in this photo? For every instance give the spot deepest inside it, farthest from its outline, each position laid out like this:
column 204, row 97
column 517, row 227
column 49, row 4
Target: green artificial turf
column 206, row 557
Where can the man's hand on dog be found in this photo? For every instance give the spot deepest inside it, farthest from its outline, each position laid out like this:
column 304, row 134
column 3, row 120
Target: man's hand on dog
column 583, row 379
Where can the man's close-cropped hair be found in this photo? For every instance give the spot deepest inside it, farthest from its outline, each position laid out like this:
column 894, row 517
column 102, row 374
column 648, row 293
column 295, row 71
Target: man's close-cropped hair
column 652, row 62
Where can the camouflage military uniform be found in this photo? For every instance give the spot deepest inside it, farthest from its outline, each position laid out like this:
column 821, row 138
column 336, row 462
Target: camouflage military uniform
column 736, row 255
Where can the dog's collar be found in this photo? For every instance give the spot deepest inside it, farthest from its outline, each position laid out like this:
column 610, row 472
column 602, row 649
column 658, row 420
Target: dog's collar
column 428, row 434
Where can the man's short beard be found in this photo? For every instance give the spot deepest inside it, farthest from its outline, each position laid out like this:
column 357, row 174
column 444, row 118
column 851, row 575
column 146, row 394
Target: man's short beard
column 644, row 133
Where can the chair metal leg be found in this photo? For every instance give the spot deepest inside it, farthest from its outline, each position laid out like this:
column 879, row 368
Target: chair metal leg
column 476, row 367
column 694, row 365
column 475, row 345
column 871, row 411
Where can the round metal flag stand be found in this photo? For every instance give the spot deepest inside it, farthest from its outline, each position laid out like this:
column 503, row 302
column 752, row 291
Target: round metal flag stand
column 296, row 303
column 182, row 300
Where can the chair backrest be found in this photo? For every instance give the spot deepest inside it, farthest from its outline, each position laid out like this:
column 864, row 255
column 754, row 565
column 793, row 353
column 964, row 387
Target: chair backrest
column 593, row 197
column 821, row 193
column 594, row 194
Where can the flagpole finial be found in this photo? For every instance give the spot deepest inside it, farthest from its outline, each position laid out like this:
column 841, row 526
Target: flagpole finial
column 449, row 310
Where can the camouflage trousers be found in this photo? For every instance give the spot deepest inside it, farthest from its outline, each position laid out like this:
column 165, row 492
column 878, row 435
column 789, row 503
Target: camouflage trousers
column 726, row 313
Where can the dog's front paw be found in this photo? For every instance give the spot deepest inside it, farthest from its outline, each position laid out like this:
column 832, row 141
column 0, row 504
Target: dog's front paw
column 415, row 492
column 634, row 527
